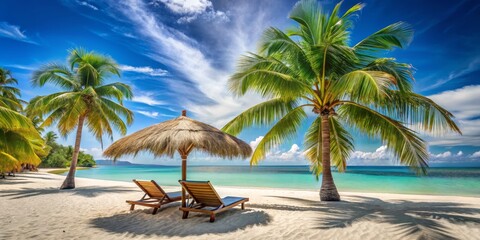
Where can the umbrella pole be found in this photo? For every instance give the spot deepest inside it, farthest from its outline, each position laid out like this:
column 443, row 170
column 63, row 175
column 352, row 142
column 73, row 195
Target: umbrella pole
column 184, row 177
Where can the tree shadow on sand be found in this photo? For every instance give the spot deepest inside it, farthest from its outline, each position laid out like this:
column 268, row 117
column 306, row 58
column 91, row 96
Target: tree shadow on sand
column 410, row 219
column 168, row 222
column 90, row 191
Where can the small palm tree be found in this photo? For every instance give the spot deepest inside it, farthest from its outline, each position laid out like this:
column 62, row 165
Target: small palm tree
column 9, row 93
column 312, row 66
column 84, row 99
column 50, row 138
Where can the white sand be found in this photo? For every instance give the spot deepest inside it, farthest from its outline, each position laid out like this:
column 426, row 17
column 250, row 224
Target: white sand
column 31, row 206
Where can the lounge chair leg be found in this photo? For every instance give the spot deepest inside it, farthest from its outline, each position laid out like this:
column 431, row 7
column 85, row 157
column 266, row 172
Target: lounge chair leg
column 212, row 217
column 132, row 206
column 185, row 215
column 154, row 211
column 243, row 206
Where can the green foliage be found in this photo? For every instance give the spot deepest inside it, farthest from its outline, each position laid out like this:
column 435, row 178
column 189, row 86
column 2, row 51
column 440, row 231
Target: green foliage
column 10, row 95
column 84, row 99
column 60, row 156
column 313, row 66
column 20, row 142
column 83, row 94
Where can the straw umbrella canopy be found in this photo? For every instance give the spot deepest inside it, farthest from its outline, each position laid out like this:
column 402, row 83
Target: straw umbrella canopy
column 182, row 135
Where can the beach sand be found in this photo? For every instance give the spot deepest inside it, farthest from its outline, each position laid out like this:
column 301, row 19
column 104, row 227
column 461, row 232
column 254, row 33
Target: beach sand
column 33, row 207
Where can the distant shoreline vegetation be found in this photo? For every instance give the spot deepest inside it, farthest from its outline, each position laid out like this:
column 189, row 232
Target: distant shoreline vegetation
column 60, row 156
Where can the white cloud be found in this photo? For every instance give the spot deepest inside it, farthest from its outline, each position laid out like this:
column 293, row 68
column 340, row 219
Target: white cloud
column 192, row 9
column 475, row 155
column 184, row 55
column 446, row 154
column 255, row 142
column 380, row 153
column 97, row 153
column 459, row 154
column 146, row 98
column 149, row 114
column 13, row 32
column 291, row 154
column 86, row 4
column 145, row 70
column 187, row 6
column 463, row 103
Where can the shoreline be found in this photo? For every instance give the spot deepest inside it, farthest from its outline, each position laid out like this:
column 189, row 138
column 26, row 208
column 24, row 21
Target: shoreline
column 97, row 209
column 270, row 188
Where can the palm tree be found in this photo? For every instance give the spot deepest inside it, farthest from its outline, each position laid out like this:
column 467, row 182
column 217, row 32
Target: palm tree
column 312, row 66
column 20, row 143
column 84, row 99
column 10, row 94
column 50, row 138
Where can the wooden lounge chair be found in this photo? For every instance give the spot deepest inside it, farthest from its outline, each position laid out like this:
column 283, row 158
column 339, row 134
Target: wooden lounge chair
column 205, row 199
column 156, row 196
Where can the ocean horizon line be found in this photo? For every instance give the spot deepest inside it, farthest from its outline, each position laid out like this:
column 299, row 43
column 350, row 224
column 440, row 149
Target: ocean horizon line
column 265, row 165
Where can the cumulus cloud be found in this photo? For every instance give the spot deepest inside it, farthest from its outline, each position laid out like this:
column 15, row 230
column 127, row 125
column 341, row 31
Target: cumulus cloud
column 463, row 103
column 441, row 155
column 475, row 155
column 255, row 142
column 192, row 9
column 145, row 70
column 276, row 155
column 380, row 153
column 13, row 32
column 291, row 154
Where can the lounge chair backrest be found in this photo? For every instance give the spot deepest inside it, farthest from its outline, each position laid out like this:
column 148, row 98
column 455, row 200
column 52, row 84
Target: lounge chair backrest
column 151, row 188
column 203, row 192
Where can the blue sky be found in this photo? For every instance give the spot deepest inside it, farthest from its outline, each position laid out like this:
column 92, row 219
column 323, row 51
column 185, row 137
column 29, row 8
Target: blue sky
column 178, row 54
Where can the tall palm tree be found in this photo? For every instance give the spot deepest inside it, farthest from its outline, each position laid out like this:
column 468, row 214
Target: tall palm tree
column 84, row 99
column 10, row 94
column 313, row 67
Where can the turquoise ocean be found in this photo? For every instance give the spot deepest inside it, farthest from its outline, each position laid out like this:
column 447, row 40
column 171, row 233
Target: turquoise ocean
column 439, row 181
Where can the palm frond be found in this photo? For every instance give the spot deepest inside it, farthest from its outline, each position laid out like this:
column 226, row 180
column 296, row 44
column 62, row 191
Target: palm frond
column 266, row 76
column 364, row 86
column 404, row 143
column 418, row 111
column 284, row 129
column 117, row 90
column 341, row 144
column 261, row 114
column 402, row 72
column 398, row 35
column 56, row 74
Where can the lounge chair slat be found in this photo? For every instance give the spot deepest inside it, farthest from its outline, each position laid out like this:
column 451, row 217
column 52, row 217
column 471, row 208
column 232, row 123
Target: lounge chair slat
column 207, row 200
column 156, row 196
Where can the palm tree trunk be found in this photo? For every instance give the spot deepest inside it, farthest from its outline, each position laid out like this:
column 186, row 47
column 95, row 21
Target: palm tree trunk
column 328, row 191
column 69, row 182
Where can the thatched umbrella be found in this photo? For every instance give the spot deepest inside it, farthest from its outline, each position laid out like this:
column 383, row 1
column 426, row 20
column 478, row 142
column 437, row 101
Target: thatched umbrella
column 180, row 135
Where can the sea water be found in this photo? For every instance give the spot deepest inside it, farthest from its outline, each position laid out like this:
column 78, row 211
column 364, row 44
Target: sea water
column 439, row 181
